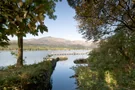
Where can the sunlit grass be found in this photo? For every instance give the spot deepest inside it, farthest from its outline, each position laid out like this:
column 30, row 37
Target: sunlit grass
column 13, row 77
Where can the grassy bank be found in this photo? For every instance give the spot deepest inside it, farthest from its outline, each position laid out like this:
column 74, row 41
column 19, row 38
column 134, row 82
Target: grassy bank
column 41, row 47
column 29, row 77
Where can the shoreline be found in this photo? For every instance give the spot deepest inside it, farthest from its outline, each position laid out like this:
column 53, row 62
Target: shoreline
column 35, row 76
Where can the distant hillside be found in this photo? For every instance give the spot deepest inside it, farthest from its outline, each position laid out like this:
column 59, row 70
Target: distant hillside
column 58, row 42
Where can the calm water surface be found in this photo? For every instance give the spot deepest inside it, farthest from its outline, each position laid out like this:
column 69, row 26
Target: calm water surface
column 61, row 76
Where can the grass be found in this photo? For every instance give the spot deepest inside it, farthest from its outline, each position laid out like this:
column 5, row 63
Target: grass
column 41, row 47
column 27, row 76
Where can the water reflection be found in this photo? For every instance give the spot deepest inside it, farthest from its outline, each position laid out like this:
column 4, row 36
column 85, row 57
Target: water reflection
column 61, row 76
column 31, row 57
column 63, row 72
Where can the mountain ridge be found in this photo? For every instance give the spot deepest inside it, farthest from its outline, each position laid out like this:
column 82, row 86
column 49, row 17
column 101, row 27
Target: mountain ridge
column 57, row 42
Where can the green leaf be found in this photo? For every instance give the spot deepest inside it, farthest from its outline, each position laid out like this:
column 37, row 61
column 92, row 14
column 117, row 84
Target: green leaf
column 42, row 28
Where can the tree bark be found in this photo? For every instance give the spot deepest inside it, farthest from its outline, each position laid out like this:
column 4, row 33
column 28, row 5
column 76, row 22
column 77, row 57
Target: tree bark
column 20, row 52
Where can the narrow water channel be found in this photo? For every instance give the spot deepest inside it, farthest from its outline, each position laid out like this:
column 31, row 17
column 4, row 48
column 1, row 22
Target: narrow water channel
column 61, row 76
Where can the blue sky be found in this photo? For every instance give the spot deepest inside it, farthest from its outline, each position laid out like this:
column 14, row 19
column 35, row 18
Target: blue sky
column 64, row 26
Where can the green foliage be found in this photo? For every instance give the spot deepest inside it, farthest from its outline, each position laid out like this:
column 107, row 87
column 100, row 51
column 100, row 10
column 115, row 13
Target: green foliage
column 14, row 54
column 113, row 62
column 88, row 79
column 24, row 16
column 99, row 17
column 114, row 59
column 116, row 55
column 13, row 77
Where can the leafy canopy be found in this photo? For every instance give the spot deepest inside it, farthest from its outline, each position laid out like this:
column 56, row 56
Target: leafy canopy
column 111, row 66
column 19, row 17
column 98, row 17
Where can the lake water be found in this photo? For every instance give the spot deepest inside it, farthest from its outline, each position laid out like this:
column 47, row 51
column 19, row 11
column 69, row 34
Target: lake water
column 61, row 76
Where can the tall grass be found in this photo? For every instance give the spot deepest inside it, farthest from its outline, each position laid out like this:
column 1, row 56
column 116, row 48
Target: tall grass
column 29, row 75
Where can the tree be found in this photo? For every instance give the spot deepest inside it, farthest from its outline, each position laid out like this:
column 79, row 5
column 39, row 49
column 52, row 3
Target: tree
column 99, row 17
column 3, row 38
column 113, row 61
column 115, row 57
column 111, row 66
column 3, row 35
column 25, row 16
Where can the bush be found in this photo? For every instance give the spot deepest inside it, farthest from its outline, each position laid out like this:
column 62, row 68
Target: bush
column 112, row 64
column 29, row 75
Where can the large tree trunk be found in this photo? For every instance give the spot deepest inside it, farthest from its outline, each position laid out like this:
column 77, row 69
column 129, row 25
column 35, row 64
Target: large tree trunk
column 20, row 52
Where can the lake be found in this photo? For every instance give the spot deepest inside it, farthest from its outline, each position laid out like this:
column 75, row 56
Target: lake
column 61, row 76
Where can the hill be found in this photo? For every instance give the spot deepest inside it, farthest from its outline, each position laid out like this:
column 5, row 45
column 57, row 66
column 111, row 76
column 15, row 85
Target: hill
column 57, row 42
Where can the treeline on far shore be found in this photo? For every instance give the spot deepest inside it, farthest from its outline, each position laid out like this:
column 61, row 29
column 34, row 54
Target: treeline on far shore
column 41, row 47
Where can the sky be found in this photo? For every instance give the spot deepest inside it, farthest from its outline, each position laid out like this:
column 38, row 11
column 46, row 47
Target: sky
column 65, row 26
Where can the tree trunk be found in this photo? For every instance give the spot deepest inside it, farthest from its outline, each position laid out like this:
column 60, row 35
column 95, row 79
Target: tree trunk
column 20, row 52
